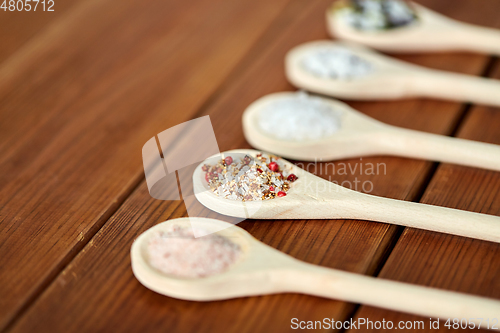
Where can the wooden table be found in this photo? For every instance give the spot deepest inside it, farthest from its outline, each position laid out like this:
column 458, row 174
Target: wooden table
column 84, row 87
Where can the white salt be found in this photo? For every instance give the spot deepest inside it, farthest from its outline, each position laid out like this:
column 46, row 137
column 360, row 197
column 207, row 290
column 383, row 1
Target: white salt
column 177, row 252
column 299, row 117
column 335, row 62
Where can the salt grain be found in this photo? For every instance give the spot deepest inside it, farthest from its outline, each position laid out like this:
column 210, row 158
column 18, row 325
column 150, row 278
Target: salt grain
column 335, row 62
column 177, row 252
column 299, row 117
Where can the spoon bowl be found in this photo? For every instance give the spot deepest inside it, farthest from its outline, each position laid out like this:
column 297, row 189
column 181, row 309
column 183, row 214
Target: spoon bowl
column 242, row 279
column 356, row 136
column 385, row 81
column 430, row 32
column 311, row 197
column 389, row 78
column 263, row 270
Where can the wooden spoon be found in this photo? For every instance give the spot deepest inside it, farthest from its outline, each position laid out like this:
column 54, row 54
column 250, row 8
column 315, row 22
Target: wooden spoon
column 430, row 32
column 389, row 79
column 360, row 135
column 263, row 270
column 312, row 197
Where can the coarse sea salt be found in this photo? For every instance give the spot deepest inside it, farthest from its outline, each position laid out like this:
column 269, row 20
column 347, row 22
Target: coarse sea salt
column 335, row 62
column 299, row 117
column 372, row 15
column 177, row 252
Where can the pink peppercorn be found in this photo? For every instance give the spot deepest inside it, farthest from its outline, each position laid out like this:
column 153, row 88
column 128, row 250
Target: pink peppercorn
column 273, row 166
column 281, row 194
column 291, row 177
column 228, row 160
column 271, row 189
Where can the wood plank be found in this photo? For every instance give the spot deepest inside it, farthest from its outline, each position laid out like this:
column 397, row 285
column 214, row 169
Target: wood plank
column 77, row 105
column 97, row 291
column 19, row 27
column 445, row 261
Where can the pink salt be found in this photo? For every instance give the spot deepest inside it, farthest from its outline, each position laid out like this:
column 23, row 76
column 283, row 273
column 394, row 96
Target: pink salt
column 177, row 252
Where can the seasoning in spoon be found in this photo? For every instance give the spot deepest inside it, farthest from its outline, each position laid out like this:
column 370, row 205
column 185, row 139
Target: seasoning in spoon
column 247, row 179
column 335, row 62
column 372, row 15
column 299, row 117
column 178, row 252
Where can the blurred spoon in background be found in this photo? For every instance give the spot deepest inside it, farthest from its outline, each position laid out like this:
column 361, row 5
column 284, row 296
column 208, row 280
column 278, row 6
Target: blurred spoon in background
column 351, row 71
column 429, row 32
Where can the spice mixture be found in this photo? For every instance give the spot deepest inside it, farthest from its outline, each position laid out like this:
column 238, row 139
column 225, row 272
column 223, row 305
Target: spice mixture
column 335, row 62
column 377, row 14
column 246, row 179
column 177, row 252
column 299, row 117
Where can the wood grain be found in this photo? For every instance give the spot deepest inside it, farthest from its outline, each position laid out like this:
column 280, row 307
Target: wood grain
column 451, row 262
column 97, row 291
column 78, row 103
column 18, row 27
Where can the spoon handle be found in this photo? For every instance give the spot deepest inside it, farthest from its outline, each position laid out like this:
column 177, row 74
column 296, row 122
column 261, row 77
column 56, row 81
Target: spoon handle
column 476, row 38
column 397, row 296
column 422, row 216
column 456, row 87
column 427, row 146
